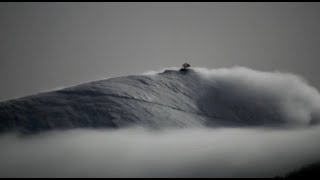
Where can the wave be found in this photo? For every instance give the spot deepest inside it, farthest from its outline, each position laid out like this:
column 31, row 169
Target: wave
column 199, row 97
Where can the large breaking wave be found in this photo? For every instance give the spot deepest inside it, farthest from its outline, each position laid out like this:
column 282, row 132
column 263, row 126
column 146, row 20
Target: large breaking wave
column 235, row 97
column 255, row 112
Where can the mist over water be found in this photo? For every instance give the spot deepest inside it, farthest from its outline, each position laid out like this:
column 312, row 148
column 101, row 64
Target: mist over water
column 139, row 152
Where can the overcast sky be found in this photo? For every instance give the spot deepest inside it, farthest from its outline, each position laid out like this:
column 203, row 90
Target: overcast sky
column 49, row 45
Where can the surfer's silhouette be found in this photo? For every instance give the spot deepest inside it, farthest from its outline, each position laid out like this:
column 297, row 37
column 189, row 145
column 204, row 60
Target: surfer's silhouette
column 185, row 67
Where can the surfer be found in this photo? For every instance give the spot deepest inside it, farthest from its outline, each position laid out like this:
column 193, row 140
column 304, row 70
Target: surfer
column 185, row 67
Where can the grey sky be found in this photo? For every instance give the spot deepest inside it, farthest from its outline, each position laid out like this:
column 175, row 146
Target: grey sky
column 49, row 45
